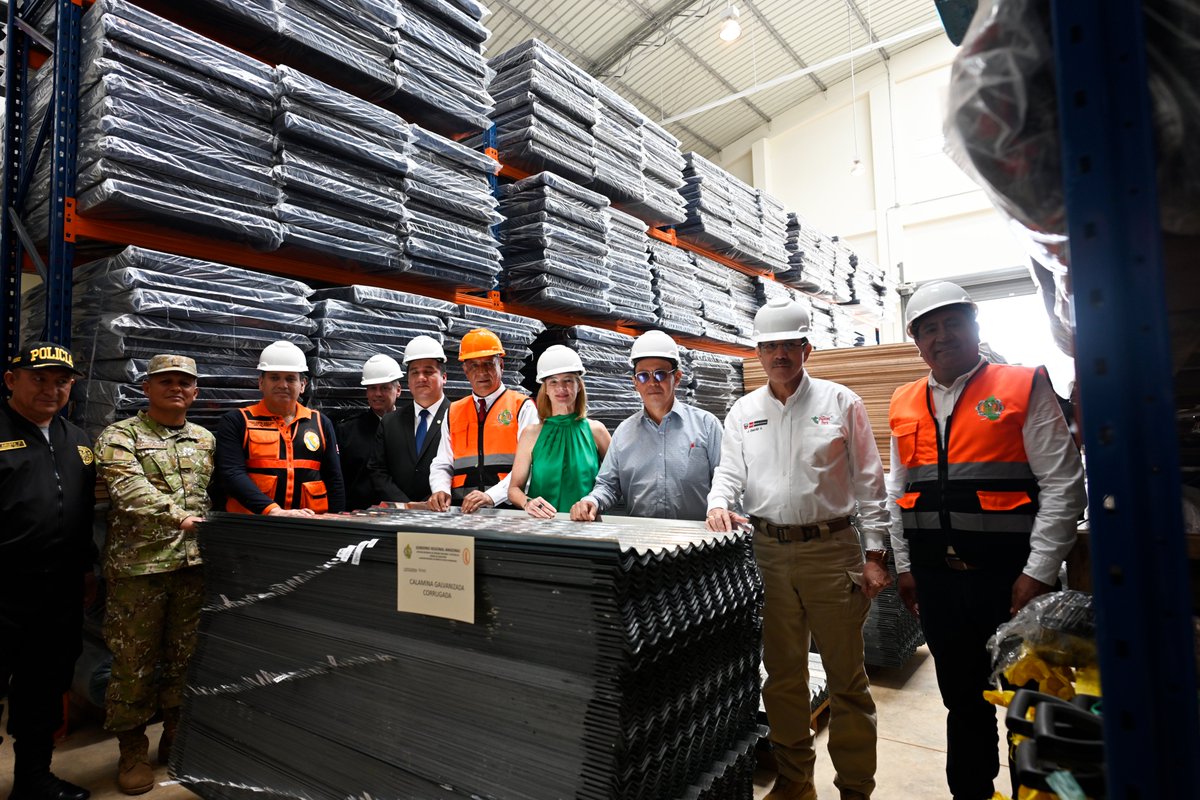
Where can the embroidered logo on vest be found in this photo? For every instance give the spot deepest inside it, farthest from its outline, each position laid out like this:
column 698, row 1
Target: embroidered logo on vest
column 312, row 441
column 990, row 409
column 505, row 417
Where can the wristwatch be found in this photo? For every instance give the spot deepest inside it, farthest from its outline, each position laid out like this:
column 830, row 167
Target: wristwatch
column 878, row 556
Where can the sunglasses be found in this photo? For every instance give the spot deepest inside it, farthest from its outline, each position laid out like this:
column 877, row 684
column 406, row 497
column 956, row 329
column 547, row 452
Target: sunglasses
column 659, row 376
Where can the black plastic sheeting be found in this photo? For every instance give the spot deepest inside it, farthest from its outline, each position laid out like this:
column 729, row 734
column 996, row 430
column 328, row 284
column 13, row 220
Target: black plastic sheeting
column 607, row 661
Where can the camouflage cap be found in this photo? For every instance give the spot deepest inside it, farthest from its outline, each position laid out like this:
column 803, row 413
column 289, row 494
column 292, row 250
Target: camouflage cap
column 170, row 363
column 43, row 355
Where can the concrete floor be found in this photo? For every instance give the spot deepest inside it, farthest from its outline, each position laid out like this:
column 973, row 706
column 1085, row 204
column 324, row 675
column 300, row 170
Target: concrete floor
column 912, row 746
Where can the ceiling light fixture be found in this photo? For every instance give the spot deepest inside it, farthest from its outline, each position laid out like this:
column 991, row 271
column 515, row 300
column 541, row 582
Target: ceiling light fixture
column 730, row 27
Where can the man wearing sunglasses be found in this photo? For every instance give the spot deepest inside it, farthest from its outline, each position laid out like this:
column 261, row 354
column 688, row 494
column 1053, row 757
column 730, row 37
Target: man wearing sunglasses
column 800, row 456
column 662, row 458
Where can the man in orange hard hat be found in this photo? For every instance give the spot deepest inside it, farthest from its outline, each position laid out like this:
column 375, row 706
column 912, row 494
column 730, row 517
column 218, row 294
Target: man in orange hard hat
column 479, row 439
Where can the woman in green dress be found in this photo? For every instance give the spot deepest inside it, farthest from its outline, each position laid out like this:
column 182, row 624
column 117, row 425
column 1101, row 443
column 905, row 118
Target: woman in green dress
column 558, row 458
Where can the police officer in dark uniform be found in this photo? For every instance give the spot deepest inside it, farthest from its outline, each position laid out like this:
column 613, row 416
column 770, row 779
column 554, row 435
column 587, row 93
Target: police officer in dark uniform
column 47, row 498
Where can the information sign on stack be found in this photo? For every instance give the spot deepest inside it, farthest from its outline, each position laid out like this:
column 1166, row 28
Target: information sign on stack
column 357, row 322
column 132, row 306
column 606, row 660
column 555, row 242
column 676, row 290
column 605, row 356
column 631, row 295
column 545, row 108
column 173, row 128
column 516, row 334
column 341, row 163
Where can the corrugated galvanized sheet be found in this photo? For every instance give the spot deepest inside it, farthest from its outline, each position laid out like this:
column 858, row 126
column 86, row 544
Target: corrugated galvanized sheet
column 666, row 58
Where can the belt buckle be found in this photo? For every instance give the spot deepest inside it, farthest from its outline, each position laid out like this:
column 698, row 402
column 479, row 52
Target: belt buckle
column 810, row 532
column 957, row 564
column 780, row 533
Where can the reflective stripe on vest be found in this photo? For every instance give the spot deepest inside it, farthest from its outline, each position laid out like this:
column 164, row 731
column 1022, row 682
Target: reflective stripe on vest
column 483, row 456
column 282, row 459
column 978, row 480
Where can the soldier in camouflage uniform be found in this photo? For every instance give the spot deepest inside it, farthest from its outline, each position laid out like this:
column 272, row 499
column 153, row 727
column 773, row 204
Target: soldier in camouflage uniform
column 157, row 466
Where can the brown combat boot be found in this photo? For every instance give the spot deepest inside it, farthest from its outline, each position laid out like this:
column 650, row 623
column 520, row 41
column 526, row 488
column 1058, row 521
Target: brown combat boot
column 134, row 774
column 170, row 726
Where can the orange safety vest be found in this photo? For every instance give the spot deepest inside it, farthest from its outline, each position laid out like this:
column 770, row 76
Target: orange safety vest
column 973, row 491
column 483, row 455
column 284, row 461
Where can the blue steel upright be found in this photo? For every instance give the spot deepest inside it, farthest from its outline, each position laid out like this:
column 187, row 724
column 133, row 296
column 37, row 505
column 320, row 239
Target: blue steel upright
column 12, row 253
column 1123, row 360
column 64, row 148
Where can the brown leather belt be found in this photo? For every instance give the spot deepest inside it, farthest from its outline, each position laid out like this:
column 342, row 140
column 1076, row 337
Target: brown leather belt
column 801, row 533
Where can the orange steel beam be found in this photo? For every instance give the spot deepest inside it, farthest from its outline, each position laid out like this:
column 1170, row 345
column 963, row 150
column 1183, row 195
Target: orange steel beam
column 672, row 239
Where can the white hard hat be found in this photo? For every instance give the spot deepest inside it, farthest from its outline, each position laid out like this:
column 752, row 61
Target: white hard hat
column 557, row 359
column 780, row 319
column 381, row 369
column 654, row 344
column 282, row 356
column 931, row 297
column 423, row 347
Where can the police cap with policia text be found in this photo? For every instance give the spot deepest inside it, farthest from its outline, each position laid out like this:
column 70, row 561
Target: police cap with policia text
column 44, row 355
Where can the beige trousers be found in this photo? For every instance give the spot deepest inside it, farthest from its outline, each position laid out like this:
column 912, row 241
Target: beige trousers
column 812, row 588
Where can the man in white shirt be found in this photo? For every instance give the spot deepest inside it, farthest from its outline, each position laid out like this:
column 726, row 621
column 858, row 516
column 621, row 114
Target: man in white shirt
column 479, row 438
column 986, row 486
column 407, row 441
column 800, row 456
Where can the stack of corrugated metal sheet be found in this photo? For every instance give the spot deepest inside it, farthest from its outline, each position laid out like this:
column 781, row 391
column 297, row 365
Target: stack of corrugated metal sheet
column 174, row 128
column 545, row 108
column 773, row 220
column 516, row 334
column 632, row 293
column 441, row 63
column 716, row 381
column 447, row 232
column 722, row 321
column 605, row 356
column 132, row 306
column 731, row 217
column 662, row 178
column 341, row 162
column 871, row 289
column 351, row 42
column 354, row 323
column 891, row 634
column 810, row 257
column 676, row 290
column 555, row 240
column 618, row 156
column 606, row 661
column 742, row 289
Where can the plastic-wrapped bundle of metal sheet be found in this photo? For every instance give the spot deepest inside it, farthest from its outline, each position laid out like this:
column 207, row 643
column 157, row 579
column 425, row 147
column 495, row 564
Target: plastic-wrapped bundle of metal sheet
column 871, row 289
column 618, row 156
column 341, row 163
column 354, row 323
column 810, row 258
column 173, row 129
column 632, row 292
column 349, row 42
column 662, row 173
column 450, row 207
column 723, row 321
column 731, row 217
column 773, row 216
column 842, row 272
column 607, row 661
column 517, row 334
column 132, row 306
column 555, row 241
column 675, row 290
column 605, row 356
column 545, row 108
column 767, row 290
column 716, row 381
column 441, row 64
column 824, row 331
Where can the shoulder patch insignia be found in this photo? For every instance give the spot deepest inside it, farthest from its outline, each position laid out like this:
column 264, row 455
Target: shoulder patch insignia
column 86, row 455
column 15, row 444
column 990, row 409
column 312, row 441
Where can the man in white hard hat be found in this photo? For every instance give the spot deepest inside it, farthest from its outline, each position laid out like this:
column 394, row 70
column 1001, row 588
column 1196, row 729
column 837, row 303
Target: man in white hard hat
column 661, row 459
column 277, row 456
column 986, row 486
column 479, row 440
column 407, row 441
column 356, row 435
column 800, row 456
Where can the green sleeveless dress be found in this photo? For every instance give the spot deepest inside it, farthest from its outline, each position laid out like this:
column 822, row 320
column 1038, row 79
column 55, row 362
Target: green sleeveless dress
column 564, row 462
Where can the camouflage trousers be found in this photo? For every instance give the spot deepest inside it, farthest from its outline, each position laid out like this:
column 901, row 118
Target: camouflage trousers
column 150, row 625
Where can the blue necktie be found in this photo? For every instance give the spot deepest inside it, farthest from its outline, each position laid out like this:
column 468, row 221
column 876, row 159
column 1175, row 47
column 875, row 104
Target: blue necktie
column 422, row 429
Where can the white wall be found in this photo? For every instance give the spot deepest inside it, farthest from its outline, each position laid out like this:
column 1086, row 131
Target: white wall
column 912, row 206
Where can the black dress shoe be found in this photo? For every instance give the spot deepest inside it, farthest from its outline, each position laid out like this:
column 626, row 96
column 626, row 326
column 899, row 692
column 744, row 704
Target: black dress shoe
column 46, row 787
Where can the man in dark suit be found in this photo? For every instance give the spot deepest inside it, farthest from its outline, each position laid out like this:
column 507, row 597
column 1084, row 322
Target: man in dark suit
column 356, row 435
column 408, row 439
